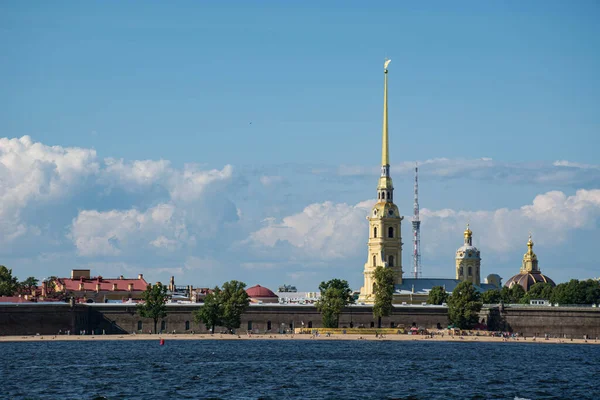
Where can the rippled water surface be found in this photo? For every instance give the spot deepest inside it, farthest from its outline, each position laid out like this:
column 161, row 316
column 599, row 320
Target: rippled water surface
column 278, row 369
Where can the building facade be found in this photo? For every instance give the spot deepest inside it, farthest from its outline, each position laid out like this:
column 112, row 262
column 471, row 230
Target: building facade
column 468, row 261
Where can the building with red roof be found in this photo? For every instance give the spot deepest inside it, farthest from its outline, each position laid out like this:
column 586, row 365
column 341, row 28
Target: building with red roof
column 260, row 294
column 88, row 289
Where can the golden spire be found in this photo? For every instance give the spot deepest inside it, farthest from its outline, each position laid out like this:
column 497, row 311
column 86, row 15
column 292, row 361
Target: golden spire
column 530, row 245
column 385, row 156
column 468, row 239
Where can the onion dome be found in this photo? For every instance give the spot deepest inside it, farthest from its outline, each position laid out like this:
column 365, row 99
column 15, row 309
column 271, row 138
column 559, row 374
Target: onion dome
column 467, row 250
column 530, row 273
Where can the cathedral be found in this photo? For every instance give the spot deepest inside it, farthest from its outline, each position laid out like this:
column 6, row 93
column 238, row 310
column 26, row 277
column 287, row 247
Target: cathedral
column 385, row 241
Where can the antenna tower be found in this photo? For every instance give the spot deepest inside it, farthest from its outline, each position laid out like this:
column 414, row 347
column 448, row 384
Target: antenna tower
column 416, row 224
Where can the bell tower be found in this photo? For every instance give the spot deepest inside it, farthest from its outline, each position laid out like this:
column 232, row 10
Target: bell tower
column 385, row 239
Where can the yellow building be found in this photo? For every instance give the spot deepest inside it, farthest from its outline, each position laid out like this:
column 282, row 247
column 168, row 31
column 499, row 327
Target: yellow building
column 468, row 260
column 385, row 239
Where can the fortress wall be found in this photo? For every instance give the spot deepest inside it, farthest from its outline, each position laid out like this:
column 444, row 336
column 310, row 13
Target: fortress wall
column 29, row 319
column 45, row 319
column 555, row 321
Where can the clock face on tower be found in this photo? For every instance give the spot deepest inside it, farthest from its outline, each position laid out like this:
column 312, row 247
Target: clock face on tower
column 391, row 212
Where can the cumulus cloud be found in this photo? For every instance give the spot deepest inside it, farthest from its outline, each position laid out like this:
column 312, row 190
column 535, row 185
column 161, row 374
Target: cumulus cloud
column 323, row 230
column 337, row 231
column 33, row 173
column 41, row 180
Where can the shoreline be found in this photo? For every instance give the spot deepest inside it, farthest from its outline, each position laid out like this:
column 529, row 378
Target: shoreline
column 337, row 337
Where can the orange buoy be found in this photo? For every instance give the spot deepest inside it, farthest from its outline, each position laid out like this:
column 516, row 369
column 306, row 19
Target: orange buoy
column 162, row 342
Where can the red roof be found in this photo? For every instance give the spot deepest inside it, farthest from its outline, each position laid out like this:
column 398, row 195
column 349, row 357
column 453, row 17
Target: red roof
column 260, row 292
column 105, row 284
column 13, row 299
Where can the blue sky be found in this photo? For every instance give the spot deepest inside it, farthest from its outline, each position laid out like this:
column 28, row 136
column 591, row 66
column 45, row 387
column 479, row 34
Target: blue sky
column 255, row 129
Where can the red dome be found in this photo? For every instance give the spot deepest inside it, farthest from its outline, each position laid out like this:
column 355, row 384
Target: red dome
column 260, row 292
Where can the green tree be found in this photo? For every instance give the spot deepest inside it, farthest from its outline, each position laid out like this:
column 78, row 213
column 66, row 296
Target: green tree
column 491, row 297
column 234, row 301
column 27, row 286
column 8, row 283
column 384, row 291
column 512, row 295
column 464, row 305
column 335, row 295
column 154, row 297
column 577, row 292
column 211, row 311
column 437, row 295
column 539, row 291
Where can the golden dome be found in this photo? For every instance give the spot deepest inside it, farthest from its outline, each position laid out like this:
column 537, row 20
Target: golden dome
column 468, row 232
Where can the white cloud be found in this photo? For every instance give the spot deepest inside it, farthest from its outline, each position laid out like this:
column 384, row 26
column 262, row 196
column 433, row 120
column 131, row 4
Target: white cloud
column 110, row 233
column 322, row 230
column 337, row 231
column 33, row 173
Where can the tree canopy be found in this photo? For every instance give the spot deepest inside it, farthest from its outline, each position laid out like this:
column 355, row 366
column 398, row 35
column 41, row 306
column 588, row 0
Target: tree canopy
column 512, row 295
column 576, row 292
column 224, row 306
column 8, row 283
column 210, row 312
column 335, row 295
column 154, row 297
column 384, row 291
column 437, row 295
column 234, row 300
column 464, row 305
column 493, row 296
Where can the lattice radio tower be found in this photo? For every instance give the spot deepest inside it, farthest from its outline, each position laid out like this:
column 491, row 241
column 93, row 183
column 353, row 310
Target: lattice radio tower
column 416, row 224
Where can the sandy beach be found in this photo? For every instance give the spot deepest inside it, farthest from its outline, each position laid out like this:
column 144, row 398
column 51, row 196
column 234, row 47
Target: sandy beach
column 167, row 337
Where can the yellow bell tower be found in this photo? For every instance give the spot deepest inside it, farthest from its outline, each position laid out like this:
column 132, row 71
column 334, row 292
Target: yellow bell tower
column 385, row 239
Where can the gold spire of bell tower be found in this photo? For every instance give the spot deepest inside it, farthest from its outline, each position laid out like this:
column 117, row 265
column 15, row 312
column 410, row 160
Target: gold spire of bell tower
column 385, row 155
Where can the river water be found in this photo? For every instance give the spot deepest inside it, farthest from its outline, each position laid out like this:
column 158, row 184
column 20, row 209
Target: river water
column 297, row 369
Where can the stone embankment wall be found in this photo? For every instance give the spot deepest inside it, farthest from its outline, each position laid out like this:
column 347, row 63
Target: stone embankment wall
column 572, row 322
column 45, row 319
column 29, row 319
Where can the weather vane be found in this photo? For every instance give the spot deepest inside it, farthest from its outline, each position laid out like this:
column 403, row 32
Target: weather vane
column 386, row 63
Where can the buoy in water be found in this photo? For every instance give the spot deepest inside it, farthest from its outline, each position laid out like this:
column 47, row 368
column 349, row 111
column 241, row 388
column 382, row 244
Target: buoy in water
column 162, row 342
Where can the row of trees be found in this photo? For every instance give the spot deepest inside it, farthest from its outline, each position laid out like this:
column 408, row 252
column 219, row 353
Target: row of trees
column 572, row 292
column 222, row 307
column 10, row 285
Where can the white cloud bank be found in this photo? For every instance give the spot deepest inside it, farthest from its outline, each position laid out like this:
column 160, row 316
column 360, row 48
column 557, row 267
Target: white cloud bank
column 337, row 231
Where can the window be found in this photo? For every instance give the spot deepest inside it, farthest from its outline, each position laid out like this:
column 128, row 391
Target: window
column 390, row 232
column 140, row 326
column 388, row 195
column 268, row 325
column 310, row 324
column 374, row 260
column 470, row 271
column 187, row 325
column 375, row 232
column 391, row 263
column 163, row 325
column 460, row 271
column 249, row 325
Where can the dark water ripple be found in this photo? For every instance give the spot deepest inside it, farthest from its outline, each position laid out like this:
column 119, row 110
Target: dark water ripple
column 297, row 369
